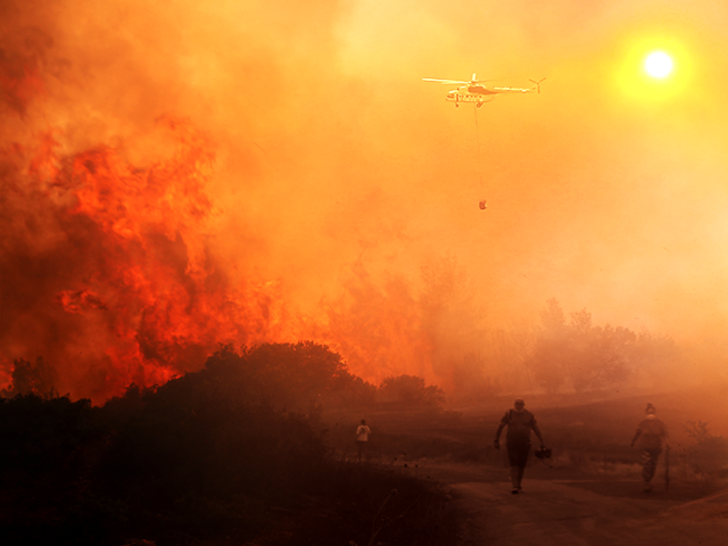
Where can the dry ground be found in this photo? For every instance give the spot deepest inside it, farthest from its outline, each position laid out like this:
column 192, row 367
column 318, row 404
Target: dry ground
column 597, row 511
column 592, row 496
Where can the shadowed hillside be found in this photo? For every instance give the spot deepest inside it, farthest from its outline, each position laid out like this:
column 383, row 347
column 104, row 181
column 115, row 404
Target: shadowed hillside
column 230, row 454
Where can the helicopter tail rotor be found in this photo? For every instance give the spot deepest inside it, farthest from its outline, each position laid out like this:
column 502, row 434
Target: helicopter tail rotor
column 538, row 84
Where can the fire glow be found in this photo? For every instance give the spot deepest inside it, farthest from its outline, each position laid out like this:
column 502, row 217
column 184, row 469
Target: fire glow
column 179, row 175
column 148, row 289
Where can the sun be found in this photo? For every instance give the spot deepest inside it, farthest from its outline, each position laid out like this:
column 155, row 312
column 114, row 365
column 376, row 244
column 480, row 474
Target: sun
column 655, row 67
column 658, row 64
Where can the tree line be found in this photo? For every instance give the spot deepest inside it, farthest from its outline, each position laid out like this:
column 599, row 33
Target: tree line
column 306, row 375
column 580, row 356
column 203, row 456
column 560, row 354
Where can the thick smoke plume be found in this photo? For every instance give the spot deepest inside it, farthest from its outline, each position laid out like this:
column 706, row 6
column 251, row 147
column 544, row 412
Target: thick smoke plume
column 181, row 175
column 167, row 177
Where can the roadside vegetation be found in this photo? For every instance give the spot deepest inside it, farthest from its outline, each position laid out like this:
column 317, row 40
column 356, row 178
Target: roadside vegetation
column 236, row 453
column 257, row 448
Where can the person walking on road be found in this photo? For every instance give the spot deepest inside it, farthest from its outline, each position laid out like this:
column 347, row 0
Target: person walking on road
column 520, row 422
column 652, row 436
column 362, row 438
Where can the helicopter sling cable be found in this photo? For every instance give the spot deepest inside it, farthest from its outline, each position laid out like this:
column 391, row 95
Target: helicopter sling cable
column 483, row 204
column 474, row 92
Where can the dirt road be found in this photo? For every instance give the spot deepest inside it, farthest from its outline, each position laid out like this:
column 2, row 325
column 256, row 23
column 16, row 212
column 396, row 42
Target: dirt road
column 553, row 510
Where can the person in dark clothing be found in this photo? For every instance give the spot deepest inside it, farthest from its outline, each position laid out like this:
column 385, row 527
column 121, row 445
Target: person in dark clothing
column 520, row 422
column 652, row 436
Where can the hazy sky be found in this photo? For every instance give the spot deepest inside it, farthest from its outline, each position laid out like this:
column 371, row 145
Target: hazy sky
column 606, row 191
column 318, row 172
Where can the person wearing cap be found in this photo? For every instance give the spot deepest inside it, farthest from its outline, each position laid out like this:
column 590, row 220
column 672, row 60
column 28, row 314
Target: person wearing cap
column 652, row 436
column 520, row 422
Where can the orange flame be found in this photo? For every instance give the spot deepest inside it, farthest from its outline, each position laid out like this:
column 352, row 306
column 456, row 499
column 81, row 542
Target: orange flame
column 149, row 289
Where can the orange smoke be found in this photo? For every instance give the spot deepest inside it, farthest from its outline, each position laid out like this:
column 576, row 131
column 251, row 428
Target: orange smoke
column 184, row 174
column 135, row 293
column 131, row 251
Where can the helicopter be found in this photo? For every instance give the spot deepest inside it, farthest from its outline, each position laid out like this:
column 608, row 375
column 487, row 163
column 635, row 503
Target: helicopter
column 475, row 92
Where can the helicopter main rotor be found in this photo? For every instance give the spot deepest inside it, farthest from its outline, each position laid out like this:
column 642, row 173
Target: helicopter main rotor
column 474, row 81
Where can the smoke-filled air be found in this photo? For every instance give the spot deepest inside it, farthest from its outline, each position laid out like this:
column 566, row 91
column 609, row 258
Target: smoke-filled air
column 180, row 175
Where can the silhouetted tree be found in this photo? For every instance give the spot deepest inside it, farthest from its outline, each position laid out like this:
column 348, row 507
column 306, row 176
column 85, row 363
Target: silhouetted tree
column 410, row 390
column 547, row 360
column 547, row 363
column 552, row 316
column 598, row 357
column 581, row 355
column 203, row 455
column 38, row 378
column 292, row 376
column 347, row 390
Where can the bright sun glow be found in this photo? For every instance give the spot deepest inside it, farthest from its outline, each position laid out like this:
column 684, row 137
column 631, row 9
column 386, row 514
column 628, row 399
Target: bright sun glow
column 655, row 66
column 658, row 64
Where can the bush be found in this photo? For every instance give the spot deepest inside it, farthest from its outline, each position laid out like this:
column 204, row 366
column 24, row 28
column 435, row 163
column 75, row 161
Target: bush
column 41, row 437
column 228, row 450
column 410, row 390
column 48, row 455
column 201, row 434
